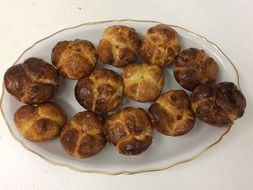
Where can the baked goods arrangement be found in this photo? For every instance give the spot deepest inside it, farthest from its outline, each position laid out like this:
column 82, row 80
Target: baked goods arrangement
column 141, row 60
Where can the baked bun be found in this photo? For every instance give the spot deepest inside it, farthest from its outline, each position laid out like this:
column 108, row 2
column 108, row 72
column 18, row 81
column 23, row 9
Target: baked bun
column 39, row 123
column 171, row 114
column 74, row 59
column 82, row 137
column 101, row 92
column 32, row 82
column 160, row 46
column 218, row 104
column 143, row 82
column 194, row 67
column 129, row 130
column 118, row 46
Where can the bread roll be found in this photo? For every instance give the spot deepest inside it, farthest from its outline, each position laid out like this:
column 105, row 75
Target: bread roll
column 118, row 46
column 129, row 130
column 160, row 46
column 74, row 59
column 101, row 92
column 32, row 82
column 194, row 67
column 143, row 82
column 171, row 114
column 218, row 104
column 41, row 122
column 83, row 137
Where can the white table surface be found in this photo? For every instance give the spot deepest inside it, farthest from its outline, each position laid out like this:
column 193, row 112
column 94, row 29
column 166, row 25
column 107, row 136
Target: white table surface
column 229, row 24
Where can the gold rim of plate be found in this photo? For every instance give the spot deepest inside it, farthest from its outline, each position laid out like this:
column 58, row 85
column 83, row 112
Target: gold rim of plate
column 120, row 172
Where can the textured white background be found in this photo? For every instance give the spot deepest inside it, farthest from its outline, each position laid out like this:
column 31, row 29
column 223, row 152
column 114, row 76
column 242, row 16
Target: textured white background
column 229, row 24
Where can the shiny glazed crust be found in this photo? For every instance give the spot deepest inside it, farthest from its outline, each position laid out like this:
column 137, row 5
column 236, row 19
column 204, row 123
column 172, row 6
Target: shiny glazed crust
column 129, row 130
column 118, row 46
column 74, row 59
column 101, row 92
column 41, row 122
column 194, row 67
column 143, row 82
column 171, row 114
column 160, row 45
column 82, row 137
column 32, row 82
column 218, row 104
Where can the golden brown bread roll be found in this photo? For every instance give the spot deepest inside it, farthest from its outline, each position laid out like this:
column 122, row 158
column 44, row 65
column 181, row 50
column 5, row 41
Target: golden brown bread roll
column 118, row 46
column 194, row 67
column 218, row 104
column 160, row 46
column 74, row 59
column 101, row 92
column 129, row 130
column 171, row 114
column 82, row 137
column 41, row 122
column 143, row 82
column 32, row 82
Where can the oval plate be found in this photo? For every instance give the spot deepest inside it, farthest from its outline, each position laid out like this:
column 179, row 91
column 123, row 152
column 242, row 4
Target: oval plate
column 164, row 152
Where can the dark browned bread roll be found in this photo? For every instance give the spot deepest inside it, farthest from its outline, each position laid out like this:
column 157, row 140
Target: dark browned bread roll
column 74, row 59
column 41, row 122
column 32, row 82
column 101, row 92
column 129, row 130
column 218, row 104
column 83, row 137
column 171, row 114
column 160, row 46
column 118, row 46
column 194, row 67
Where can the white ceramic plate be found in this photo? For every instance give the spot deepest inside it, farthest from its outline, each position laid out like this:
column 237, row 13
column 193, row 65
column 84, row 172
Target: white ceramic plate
column 165, row 151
